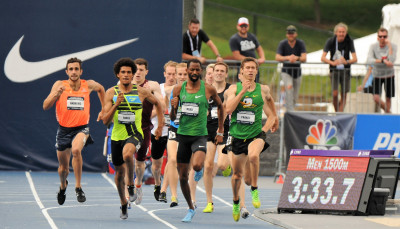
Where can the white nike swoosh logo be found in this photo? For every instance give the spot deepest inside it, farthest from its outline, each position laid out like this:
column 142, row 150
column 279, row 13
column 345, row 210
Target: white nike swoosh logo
column 19, row 70
column 197, row 96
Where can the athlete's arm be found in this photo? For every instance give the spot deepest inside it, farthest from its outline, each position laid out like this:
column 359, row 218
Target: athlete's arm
column 109, row 108
column 55, row 93
column 94, row 86
column 146, row 94
column 175, row 101
column 155, row 88
column 272, row 122
column 220, row 110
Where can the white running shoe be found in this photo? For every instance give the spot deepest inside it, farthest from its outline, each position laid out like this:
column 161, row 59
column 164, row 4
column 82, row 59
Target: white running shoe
column 139, row 194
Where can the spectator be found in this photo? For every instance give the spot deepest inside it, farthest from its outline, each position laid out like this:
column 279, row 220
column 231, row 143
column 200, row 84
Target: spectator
column 291, row 51
column 192, row 43
column 366, row 85
column 244, row 44
column 383, row 55
column 340, row 46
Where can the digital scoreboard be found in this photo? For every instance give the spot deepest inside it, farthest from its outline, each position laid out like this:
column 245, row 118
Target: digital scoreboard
column 325, row 180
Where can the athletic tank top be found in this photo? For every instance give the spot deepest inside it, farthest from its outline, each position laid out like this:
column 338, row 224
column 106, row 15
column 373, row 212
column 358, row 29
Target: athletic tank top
column 246, row 119
column 212, row 117
column 166, row 117
column 128, row 116
column 193, row 120
column 73, row 107
column 146, row 115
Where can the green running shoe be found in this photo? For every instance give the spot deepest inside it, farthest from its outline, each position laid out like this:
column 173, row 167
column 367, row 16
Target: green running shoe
column 255, row 199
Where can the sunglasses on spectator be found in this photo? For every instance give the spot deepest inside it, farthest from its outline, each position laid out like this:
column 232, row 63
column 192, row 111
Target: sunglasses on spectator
column 243, row 26
column 384, row 36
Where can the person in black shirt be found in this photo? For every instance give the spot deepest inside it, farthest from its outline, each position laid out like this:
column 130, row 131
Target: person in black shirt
column 192, row 39
column 340, row 46
column 291, row 51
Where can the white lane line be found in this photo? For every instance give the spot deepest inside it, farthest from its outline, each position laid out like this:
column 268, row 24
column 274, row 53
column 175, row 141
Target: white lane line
column 39, row 202
column 216, row 197
column 140, row 206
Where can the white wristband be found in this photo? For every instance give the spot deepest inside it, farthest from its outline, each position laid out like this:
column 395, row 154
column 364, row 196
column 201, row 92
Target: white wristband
column 220, row 134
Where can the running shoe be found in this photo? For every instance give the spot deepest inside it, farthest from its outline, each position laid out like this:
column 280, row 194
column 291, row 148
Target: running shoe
column 157, row 189
column 255, row 199
column 244, row 213
column 139, row 194
column 124, row 211
column 163, row 197
column 198, row 175
column 131, row 191
column 80, row 195
column 174, row 202
column 209, row 208
column 189, row 216
column 61, row 195
column 236, row 212
column 227, row 171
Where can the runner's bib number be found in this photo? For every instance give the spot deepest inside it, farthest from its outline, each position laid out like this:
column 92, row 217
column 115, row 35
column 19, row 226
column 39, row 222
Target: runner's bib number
column 75, row 103
column 126, row 117
column 178, row 116
column 190, row 109
column 214, row 113
column 245, row 117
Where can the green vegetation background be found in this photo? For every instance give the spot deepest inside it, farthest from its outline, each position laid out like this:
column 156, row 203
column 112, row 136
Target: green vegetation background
column 363, row 17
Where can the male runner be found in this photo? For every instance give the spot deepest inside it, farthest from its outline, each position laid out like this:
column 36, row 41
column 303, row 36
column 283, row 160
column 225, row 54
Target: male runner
column 159, row 146
column 72, row 111
column 123, row 105
column 171, row 173
column 140, row 80
column 192, row 131
column 246, row 101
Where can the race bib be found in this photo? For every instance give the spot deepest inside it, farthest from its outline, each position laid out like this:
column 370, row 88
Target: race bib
column 171, row 135
column 126, row 117
column 167, row 119
column 75, row 103
column 190, row 109
column 214, row 113
column 245, row 117
column 178, row 116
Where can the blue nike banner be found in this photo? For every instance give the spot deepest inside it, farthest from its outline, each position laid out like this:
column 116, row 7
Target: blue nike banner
column 377, row 132
column 38, row 37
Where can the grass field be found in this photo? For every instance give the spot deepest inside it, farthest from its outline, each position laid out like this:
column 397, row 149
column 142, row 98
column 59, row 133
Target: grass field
column 362, row 16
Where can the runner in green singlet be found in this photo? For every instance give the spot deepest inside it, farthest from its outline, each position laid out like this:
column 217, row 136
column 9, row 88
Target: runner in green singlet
column 192, row 131
column 246, row 101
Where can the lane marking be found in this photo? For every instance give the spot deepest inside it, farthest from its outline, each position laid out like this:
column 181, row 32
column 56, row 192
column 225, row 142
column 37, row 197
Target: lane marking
column 39, row 202
column 104, row 175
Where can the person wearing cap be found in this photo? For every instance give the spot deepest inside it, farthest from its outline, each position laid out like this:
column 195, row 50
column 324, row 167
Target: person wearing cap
column 244, row 44
column 340, row 46
column 291, row 52
column 192, row 39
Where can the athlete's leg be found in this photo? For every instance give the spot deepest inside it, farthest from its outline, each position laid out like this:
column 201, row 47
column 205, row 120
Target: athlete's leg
column 63, row 166
column 156, row 170
column 172, row 147
column 255, row 148
column 238, row 162
column 208, row 170
column 183, row 170
column 77, row 145
column 192, row 184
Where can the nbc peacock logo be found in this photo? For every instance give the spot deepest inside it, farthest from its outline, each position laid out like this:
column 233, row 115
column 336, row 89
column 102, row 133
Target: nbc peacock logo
column 322, row 135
